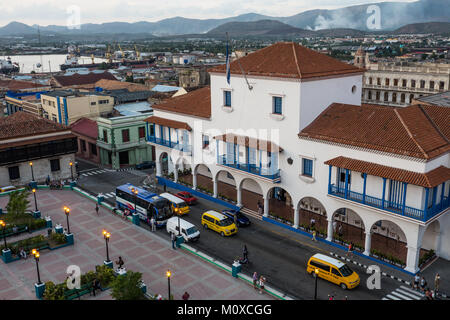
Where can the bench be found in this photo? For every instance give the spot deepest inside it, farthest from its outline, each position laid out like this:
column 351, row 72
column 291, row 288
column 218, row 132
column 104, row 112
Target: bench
column 77, row 293
column 20, row 229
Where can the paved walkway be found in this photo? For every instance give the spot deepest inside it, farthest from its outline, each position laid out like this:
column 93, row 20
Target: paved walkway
column 140, row 249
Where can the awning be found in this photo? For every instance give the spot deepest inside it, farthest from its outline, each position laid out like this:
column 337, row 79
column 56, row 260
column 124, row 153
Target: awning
column 168, row 123
column 246, row 141
column 430, row 179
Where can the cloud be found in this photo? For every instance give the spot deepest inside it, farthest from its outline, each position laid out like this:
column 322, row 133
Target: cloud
column 47, row 12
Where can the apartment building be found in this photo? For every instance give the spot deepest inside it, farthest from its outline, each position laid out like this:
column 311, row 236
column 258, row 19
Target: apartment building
column 397, row 84
column 67, row 106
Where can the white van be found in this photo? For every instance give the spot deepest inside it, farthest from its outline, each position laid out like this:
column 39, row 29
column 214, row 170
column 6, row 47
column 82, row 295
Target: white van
column 188, row 230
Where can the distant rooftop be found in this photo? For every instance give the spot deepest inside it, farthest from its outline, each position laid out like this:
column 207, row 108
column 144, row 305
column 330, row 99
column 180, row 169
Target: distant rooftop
column 134, row 109
column 163, row 88
column 440, row 99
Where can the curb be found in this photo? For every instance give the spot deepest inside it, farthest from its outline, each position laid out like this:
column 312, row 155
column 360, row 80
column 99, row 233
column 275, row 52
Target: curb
column 277, row 294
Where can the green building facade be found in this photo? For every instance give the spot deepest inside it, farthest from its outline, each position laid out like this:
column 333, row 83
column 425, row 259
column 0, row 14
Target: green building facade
column 121, row 141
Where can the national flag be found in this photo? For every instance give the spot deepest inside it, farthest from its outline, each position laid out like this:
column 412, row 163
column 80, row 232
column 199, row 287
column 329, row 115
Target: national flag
column 228, row 63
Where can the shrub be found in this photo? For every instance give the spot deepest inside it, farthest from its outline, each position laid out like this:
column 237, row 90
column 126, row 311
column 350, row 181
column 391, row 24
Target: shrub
column 105, row 275
column 88, row 277
column 127, row 287
column 54, row 292
column 59, row 238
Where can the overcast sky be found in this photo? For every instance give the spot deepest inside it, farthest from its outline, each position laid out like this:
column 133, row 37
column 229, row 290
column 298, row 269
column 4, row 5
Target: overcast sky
column 47, row 12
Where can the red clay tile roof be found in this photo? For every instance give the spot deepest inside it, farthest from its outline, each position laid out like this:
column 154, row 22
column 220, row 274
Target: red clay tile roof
column 430, row 179
column 22, row 124
column 195, row 103
column 37, row 140
column 116, row 84
column 411, row 131
column 85, row 127
column 249, row 142
column 82, row 79
column 15, row 85
column 288, row 60
column 168, row 123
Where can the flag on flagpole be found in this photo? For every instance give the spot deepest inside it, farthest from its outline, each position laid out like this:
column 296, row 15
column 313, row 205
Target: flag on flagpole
column 228, row 63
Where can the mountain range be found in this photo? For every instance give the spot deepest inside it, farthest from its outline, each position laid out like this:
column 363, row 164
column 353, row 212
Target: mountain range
column 393, row 15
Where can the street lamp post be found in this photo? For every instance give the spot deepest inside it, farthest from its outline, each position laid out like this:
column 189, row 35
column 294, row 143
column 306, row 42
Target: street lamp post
column 67, row 211
column 35, row 202
column 106, row 236
column 71, row 171
column 36, row 257
column 32, row 173
column 3, row 224
column 316, row 272
column 135, row 193
column 168, row 274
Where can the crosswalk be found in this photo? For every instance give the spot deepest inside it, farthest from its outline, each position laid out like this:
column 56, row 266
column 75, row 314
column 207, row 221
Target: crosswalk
column 91, row 173
column 404, row 293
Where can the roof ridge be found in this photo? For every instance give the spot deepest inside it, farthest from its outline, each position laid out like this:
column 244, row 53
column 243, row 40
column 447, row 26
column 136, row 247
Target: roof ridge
column 433, row 123
column 296, row 60
column 409, row 133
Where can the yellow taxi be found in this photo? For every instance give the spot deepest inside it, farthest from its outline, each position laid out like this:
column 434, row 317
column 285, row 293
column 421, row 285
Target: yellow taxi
column 218, row 222
column 179, row 207
column 332, row 270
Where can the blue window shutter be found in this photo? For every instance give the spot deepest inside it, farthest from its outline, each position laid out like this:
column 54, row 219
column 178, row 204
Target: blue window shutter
column 227, row 98
column 277, row 105
column 307, row 167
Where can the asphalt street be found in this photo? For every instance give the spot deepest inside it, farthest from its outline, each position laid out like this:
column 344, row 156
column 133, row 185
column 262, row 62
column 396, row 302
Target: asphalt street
column 278, row 254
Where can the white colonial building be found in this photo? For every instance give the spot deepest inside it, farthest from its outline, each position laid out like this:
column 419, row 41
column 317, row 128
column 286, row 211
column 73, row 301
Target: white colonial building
column 289, row 131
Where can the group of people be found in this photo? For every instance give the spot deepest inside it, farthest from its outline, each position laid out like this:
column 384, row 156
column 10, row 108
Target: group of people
column 258, row 282
column 421, row 284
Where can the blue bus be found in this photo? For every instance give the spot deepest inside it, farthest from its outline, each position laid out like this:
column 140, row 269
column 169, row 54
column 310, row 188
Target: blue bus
column 148, row 204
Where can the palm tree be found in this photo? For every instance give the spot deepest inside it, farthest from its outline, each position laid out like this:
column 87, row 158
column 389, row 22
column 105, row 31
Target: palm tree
column 18, row 203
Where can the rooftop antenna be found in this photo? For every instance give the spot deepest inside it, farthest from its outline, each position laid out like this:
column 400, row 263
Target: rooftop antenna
column 250, row 87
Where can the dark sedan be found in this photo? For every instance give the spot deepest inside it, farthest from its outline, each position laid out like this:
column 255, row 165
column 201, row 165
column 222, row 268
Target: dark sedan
column 241, row 219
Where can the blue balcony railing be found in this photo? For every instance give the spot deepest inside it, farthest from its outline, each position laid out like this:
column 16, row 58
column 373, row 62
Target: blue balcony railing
column 269, row 173
column 419, row 214
column 170, row 144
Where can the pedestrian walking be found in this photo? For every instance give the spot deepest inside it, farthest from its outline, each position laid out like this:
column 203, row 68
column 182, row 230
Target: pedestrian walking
column 173, row 238
column 235, row 220
column 96, row 208
column 423, row 284
column 330, row 297
column 416, row 281
column 165, row 187
column 153, row 224
column 260, row 208
column 437, row 280
column 314, row 235
column 120, row 262
column 350, row 249
column 255, row 280
column 428, row 294
column 245, row 252
column 312, row 223
column 334, row 225
column 95, row 286
column 340, row 230
column 185, row 296
column 262, row 280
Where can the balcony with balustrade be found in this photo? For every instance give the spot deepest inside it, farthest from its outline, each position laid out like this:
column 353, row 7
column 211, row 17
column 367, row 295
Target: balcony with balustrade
column 394, row 190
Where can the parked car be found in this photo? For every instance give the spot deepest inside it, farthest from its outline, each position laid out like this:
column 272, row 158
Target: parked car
column 145, row 165
column 242, row 220
column 218, row 222
column 187, row 197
